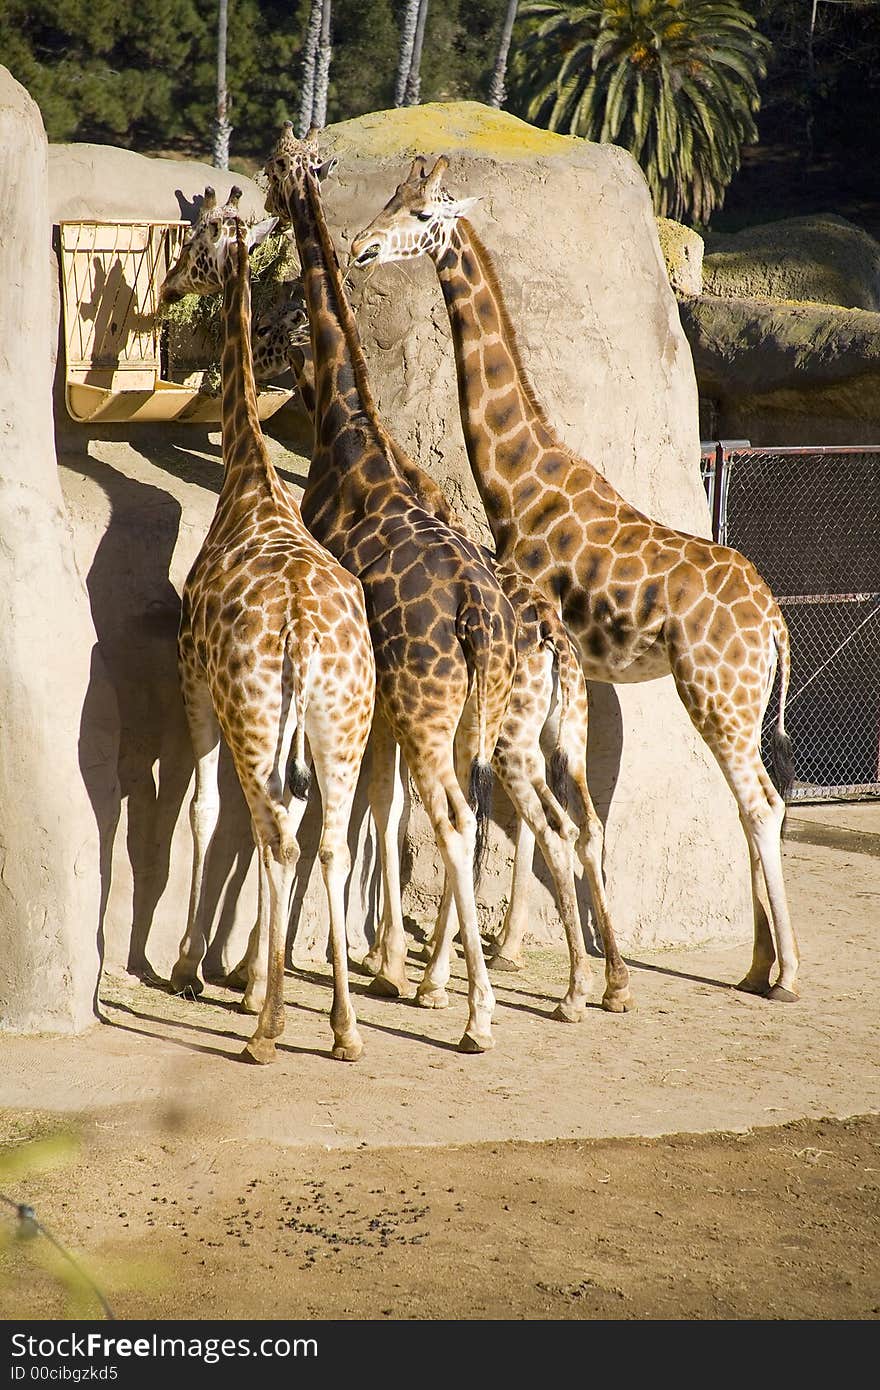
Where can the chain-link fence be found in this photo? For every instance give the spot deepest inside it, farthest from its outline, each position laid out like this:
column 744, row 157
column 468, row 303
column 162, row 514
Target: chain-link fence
column 809, row 519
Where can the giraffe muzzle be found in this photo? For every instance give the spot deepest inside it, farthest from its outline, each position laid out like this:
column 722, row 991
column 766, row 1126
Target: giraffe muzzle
column 367, row 255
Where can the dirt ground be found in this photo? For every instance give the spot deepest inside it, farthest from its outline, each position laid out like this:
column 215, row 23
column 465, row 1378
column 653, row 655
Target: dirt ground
column 708, row 1155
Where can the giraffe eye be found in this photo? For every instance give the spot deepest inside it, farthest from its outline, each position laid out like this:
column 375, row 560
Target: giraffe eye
column 423, row 216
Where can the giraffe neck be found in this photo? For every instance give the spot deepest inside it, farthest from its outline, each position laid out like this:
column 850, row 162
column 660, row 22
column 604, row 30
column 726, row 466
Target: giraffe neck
column 244, row 449
column 506, row 432
column 342, row 395
column 427, row 493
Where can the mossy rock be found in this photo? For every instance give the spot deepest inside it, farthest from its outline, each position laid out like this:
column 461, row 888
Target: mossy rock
column 820, row 259
column 682, row 249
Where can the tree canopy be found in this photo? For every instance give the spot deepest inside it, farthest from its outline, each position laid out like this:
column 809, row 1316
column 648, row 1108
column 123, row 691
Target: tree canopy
column 144, row 76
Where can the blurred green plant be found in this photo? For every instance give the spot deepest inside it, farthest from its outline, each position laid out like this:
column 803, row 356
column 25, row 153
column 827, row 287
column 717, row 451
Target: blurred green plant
column 27, row 1243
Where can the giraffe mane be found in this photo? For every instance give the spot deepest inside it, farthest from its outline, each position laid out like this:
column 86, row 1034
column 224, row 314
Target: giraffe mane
column 345, row 312
column 491, row 274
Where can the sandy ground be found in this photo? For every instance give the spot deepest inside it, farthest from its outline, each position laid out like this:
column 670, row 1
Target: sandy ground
column 708, row 1155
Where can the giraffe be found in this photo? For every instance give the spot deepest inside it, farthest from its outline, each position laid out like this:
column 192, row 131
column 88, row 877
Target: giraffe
column 273, row 649
column 443, row 632
column 640, row 599
column 543, row 701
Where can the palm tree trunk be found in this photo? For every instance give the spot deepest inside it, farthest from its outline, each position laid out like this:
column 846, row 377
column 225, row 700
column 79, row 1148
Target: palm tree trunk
column 496, row 91
column 407, row 39
column 414, row 80
column 322, row 77
column 310, row 60
column 222, row 128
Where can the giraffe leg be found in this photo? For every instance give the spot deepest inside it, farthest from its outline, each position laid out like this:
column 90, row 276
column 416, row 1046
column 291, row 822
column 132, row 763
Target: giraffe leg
column 590, row 848
column 431, row 993
column 554, row 833
column 767, row 837
column 386, row 961
column 455, row 831
column 203, row 815
column 505, row 950
column 252, row 970
column 762, row 811
column 757, row 978
column 280, row 863
column 337, row 781
column 250, row 973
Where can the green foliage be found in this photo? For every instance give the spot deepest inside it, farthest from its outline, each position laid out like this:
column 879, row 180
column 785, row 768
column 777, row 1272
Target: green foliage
column 99, row 70
column 144, row 76
column 672, row 81
column 822, row 96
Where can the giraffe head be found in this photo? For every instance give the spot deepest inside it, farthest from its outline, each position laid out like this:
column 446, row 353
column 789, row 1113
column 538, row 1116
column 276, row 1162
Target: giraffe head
column 417, row 221
column 200, row 267
column 292, row 161
column 282, row 326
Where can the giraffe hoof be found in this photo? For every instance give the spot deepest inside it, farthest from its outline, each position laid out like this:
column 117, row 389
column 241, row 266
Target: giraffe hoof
column 237, row 978
column 780, row 995
column 476, row 1042
column 348, row 1050
column 564, row 1013
column 250, row 1005
column 383, row 987
column 503, row 964
column 372, row 963
column 260, row 1051
column 748, row 986
column 432, row 998
column 187, row 986
column 618, row 1003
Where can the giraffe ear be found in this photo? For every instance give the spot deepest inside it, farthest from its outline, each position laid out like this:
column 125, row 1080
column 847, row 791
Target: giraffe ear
column 326, row 168
column 458, row 208
column 259, row 231
column 417, row 169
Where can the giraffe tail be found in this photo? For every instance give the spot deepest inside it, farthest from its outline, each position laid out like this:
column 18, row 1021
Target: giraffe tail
column 781, row 752
column 301, row 641
column 476, row 643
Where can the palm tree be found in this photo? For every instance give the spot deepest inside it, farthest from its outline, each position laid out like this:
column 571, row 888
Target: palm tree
column 496, row 91
column 407, row 39
column 322, row 73
column 412, row 95
column 310, row 62
column 222, row 128
column 672, row 81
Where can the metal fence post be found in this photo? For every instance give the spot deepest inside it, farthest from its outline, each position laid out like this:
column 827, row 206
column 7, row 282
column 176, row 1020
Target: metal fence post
column 718, row 493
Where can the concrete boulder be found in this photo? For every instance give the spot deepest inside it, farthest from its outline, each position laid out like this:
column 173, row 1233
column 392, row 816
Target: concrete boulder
column 58, row 718
column 682, row 249
column 821, row 259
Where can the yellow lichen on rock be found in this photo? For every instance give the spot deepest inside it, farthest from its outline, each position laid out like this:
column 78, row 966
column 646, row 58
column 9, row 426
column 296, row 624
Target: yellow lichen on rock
column 438, row 127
